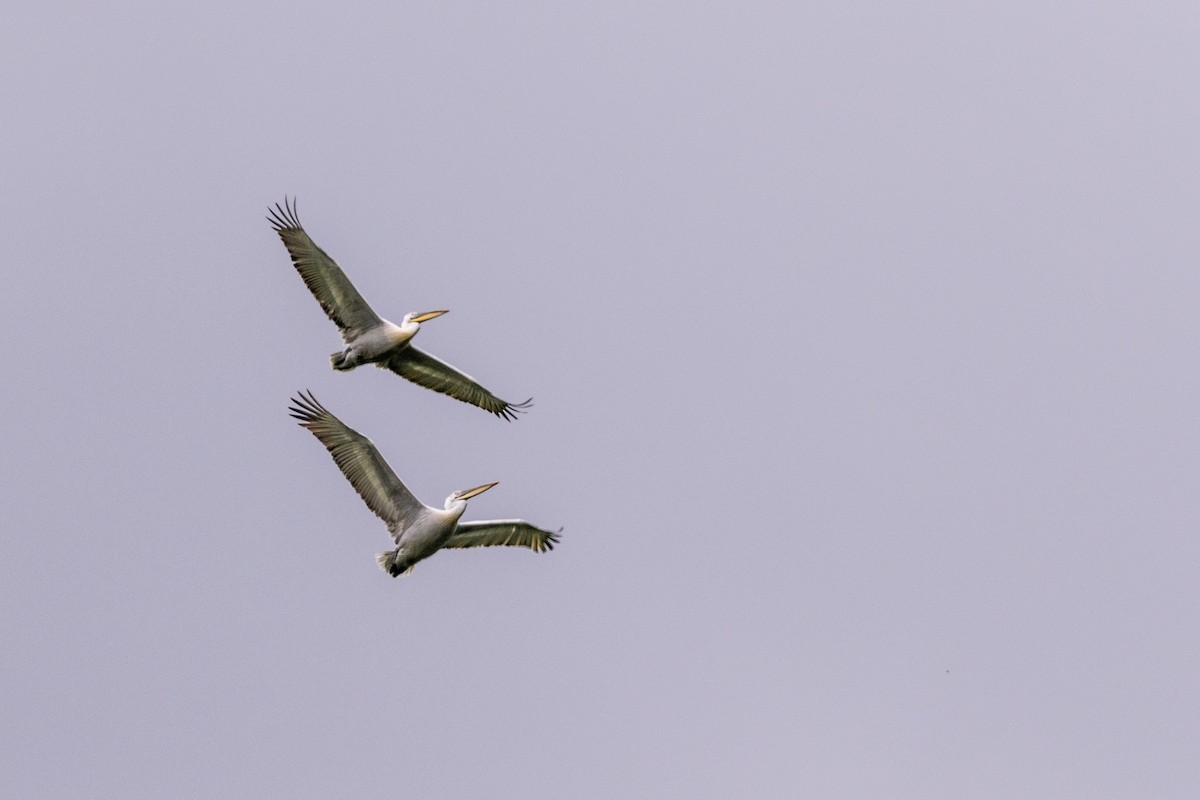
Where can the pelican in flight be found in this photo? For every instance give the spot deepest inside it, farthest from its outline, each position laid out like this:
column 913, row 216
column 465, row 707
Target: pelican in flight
column 369, row 338
column 418, row 530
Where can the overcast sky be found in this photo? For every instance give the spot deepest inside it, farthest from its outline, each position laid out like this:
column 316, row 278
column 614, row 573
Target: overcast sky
column 862, row 338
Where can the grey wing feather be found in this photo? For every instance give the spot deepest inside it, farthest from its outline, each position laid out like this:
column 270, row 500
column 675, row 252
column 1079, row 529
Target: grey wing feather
column 500, row 532
column 422, row 368
column 324, row 278
column 360, row 461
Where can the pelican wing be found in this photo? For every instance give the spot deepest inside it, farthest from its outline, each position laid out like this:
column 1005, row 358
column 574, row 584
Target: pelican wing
column 360, row 461
column 498, row 532
column 422, row 368
column 324, row 278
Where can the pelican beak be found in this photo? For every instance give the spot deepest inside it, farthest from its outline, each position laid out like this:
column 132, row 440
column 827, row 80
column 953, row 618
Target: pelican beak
column 469, row 493
column 430, row 315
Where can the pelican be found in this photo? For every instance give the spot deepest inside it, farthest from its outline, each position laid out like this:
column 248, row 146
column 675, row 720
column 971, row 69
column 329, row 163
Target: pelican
column 369, row 338
column 418, row 530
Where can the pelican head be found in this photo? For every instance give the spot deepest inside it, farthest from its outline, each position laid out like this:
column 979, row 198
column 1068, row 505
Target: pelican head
column 467, row 494
column 427, row 315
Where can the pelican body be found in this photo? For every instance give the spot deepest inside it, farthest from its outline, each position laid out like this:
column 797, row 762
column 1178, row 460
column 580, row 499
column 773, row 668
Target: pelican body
column 418, row 530
column 380, row 343
column 369, row 338
column 428, row 533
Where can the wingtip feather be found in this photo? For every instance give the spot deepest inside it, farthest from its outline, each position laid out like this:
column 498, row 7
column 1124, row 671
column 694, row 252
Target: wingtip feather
column 509, row 411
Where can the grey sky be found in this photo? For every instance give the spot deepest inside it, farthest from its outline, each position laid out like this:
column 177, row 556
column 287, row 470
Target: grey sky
column 862, row 338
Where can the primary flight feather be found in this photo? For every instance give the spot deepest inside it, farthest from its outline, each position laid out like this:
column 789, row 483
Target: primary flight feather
column 418, row 530
column 369, row 338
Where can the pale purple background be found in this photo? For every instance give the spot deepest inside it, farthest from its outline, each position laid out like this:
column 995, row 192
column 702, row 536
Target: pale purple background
column 863, row 339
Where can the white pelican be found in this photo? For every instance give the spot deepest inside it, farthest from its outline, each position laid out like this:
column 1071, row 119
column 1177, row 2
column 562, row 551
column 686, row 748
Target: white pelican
column 418, row 530
column 369, row 338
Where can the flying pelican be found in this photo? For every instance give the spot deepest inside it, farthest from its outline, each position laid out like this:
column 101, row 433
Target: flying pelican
column 418, row 530
column 369, row 338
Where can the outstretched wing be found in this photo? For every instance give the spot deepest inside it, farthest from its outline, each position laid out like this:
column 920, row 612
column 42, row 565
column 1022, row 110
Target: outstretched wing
column 360, row 461
column 324, row 278
column 422, row 368
column 497, row 532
